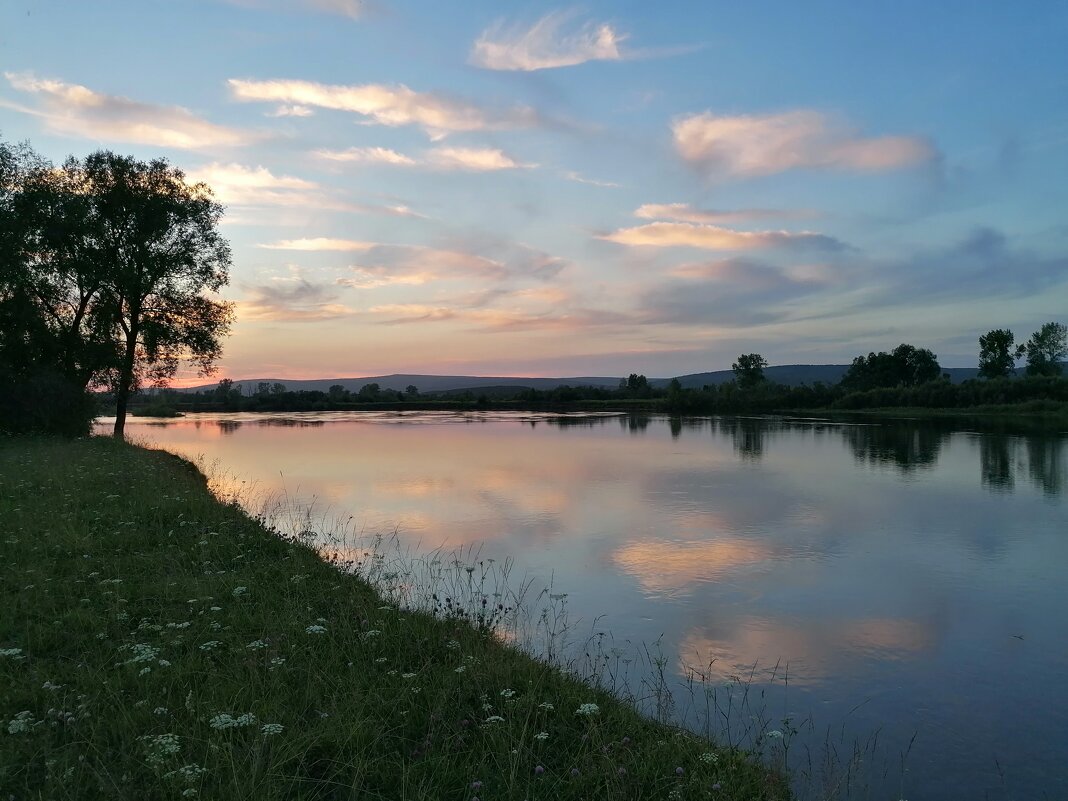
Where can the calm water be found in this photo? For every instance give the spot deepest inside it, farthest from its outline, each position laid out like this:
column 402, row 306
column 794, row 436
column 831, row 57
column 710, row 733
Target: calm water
column 913, row 580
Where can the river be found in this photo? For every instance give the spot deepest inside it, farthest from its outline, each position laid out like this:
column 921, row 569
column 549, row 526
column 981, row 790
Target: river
column 897, row 592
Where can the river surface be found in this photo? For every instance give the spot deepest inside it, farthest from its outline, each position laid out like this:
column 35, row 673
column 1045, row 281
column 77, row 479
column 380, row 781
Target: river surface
column 899, row 591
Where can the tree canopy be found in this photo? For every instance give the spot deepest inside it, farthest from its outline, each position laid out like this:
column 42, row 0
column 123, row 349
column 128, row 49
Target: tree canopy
column 1045, row 349
column 904, row 366
column 749, row 370
column 997, row 358
column 108, row 266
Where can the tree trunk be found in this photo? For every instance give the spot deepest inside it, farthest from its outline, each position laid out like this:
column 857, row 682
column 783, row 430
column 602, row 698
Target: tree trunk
column 122, row 391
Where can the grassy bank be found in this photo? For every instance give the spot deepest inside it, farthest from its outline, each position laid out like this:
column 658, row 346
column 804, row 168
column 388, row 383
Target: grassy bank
column 1032, row 416
column 158, row 644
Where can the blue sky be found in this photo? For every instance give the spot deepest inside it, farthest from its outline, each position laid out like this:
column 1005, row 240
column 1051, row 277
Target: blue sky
column 537, row 189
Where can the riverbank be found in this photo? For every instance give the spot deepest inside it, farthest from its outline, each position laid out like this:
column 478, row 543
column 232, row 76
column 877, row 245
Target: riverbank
column 1018, row 418
column 157, row 643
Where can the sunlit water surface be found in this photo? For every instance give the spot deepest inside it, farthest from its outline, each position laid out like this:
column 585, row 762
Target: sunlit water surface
column 908, row 580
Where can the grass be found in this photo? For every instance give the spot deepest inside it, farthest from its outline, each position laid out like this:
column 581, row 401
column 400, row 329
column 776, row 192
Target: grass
column 156, row 643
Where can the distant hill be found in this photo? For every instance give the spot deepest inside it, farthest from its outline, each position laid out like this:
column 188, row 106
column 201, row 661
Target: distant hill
column 424, row 383
column 789, row 374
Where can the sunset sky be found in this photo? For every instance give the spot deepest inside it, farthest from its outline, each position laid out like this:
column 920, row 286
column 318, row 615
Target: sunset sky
column 533, row 189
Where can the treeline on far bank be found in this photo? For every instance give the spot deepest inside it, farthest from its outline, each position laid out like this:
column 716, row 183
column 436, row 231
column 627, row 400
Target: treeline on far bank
column 1029, row 393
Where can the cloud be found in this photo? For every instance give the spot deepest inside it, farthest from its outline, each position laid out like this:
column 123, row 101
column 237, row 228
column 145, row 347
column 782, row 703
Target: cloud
column 546, row 44
column 736, row 292
column 318, row 243
column 242, row 186
column 367, row 155
column 386, row 105
column 384, row 265
column 74, row 110
column 292, row 299
column 752, row 145
column 714, row 237
column 684, row 212
column 291, row 111
column 571, row 175
column 475, row 159
column 471, row 159
column 353, row 9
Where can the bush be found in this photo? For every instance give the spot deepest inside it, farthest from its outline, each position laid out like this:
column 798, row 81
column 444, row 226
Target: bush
column 45, row 402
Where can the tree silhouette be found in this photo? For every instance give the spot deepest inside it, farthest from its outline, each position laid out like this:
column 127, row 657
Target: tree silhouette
column 749, row 370
column 1045, row 349
column 997, row 358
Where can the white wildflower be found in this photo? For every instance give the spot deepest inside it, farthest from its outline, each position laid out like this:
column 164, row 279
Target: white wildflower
column 369, row 634
column 710, row 758
column 494, row 719
column 50, row 686
column 506, row 693
column 546, row 706
column 541, row 735
column 315, row 629
column 159, row 710
column 210, row 645
column 238, row 591
column 276, row 662
column 588, row 710
column 10, row 652
column 158, row 747
column 256, row 644
column 272, row 728
column 226, row 721
column 21, row 723
column 774, row 734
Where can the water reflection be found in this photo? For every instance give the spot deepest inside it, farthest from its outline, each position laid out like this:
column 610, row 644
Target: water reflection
column 907, row 446
column 740, row 544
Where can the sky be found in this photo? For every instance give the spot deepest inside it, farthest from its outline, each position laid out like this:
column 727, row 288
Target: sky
column 535, row 189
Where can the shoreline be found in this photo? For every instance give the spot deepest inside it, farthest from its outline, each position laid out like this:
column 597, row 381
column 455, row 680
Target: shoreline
column 164, row 644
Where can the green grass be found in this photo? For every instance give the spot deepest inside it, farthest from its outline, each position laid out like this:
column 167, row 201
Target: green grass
column 142, row 619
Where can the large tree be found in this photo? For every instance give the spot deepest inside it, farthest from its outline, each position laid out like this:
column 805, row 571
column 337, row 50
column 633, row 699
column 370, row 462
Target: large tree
column 1045, row 349
column 997, row 357
column 161, row 251
column 106, row 271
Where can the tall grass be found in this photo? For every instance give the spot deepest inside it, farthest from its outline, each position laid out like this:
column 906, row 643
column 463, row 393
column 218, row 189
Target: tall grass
column 156, row 643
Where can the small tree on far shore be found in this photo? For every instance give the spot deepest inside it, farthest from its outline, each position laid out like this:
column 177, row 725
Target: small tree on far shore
column 749, row 370
column 1045, row 349
column 997, row 357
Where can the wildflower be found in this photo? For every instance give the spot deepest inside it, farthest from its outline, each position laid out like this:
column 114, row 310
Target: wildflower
column 381, row 659
column 159, row 747
column 452, row 645
column 546, row 706
column 144, row 670
column 407, row 675
column 538, row 770
column 541, row 735
column 709, row 758
column 315, row 628
column 210, row 645
column 142, row 652
column 717, row 786
column 159, row 710
column 507, row 693
column 276, row 662
column 163, row 663
column 225, row 721
column 460, row 669
column 50, row 686
column 679, row 771
column 256, row 644
column 476, row 785
column 21, row 723
column 189, row 773
column 215, row 609
column 774, row 734
column 271, row 728
column 494, row 719
column 189, row 792
column 575, row 772
column 588, row 710
column 369, row 634
column 10, row 651
column 239, row 591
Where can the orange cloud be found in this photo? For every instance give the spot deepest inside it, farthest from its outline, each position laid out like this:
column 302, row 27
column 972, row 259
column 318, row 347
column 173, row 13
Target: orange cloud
column 317, row 243
column 74, row 110
column 714, row 237
column 545, row 45
column 385, row 105
column 750, row 145
column 671, row 566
